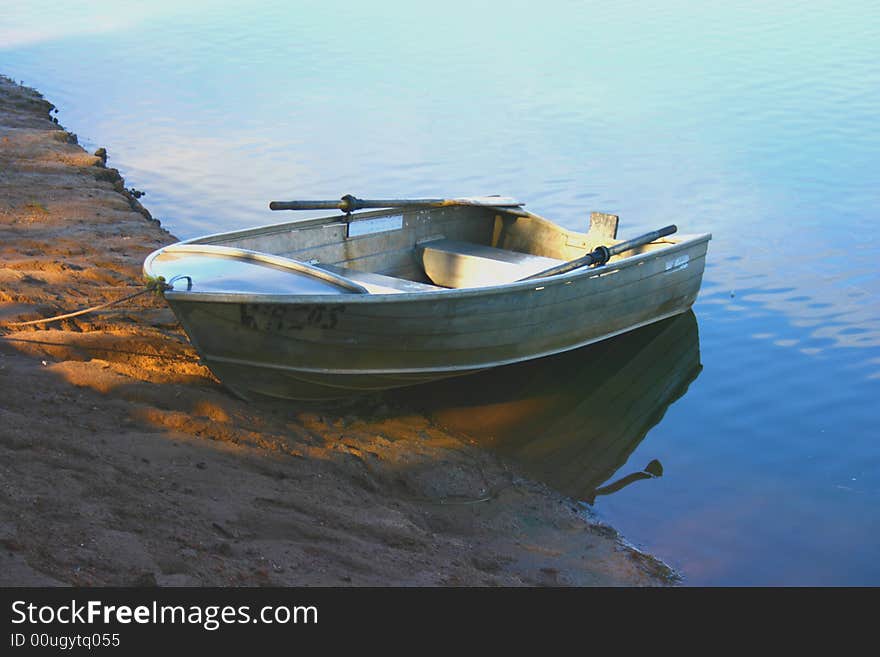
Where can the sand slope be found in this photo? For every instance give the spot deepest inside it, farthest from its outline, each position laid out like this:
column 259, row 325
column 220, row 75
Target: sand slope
column 123, row 461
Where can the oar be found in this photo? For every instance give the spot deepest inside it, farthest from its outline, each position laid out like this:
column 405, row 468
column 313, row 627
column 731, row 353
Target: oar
column 601, row 254
column 349, row 203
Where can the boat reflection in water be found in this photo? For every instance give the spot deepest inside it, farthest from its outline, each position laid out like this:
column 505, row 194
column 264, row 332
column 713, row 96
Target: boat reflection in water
column 572, row 420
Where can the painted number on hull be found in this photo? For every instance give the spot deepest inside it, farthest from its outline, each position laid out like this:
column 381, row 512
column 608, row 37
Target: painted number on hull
column 289, row 318
column 681, row 262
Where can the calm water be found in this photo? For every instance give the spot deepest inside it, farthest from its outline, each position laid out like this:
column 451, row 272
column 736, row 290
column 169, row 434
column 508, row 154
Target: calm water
column 761, row 125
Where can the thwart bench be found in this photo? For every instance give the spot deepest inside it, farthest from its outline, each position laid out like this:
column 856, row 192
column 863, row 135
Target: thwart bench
column 455, row 264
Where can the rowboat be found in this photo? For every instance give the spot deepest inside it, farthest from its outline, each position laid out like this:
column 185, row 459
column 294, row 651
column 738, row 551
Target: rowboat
column 414, row 291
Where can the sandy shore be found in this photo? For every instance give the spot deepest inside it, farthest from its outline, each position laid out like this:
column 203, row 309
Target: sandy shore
column 124, row 462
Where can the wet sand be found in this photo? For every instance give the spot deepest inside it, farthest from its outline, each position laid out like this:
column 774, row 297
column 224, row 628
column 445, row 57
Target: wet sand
column 124, row 462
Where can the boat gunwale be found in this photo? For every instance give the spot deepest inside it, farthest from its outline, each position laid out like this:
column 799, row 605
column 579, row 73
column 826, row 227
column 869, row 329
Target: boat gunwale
column 452, row 293
column 675, row 243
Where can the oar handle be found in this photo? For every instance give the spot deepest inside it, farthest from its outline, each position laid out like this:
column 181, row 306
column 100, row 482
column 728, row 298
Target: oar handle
column 304, row 205
column 601, row 254
column 641, row 240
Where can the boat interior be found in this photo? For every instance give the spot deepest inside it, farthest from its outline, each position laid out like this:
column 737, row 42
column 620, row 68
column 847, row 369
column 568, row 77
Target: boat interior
column 417, row 250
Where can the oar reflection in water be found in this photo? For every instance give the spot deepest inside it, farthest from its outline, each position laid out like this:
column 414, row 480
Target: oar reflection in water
column 573, row 420
column 652, row 470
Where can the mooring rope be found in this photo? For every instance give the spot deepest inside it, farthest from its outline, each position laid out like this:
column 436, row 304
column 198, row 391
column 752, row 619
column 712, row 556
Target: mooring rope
column 155, row 285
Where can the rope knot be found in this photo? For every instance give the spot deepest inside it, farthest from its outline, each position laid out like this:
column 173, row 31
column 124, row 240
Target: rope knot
column 156, row 285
